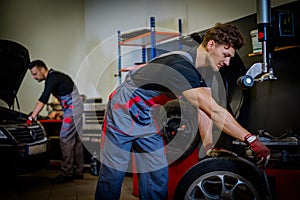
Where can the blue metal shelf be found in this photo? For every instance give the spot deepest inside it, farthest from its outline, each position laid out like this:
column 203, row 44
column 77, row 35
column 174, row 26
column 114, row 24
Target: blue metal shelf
column 145, row 38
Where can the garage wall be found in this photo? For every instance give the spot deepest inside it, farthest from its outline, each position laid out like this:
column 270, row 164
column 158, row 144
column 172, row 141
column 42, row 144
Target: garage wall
column 79, row 37
column 52, row 30
column 273, row 105
column 105, row 18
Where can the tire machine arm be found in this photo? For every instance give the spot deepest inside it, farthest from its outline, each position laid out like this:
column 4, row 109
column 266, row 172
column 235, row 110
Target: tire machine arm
column 261, row 71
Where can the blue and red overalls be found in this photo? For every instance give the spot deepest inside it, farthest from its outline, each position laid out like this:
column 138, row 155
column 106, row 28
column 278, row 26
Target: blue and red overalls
column 63, row 88
column 70, row 143
column 130, row 126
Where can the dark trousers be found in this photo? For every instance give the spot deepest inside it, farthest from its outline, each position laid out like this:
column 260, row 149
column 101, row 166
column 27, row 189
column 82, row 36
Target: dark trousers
column 72, row 156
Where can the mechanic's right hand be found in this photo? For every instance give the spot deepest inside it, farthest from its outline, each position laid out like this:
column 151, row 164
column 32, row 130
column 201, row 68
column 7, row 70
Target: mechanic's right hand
column 261, row 151
column 29, row 120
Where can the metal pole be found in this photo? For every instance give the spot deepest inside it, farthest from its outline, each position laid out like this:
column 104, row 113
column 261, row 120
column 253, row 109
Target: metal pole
column 153, row 39
column 180, row 33
column 263, row 24
column 119, row 57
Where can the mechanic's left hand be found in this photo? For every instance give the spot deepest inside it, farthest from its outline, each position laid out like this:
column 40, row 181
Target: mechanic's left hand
column 261, row 151
column 30, row 120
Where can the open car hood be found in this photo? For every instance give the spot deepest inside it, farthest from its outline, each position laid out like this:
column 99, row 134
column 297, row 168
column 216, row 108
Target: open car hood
column 14, row 60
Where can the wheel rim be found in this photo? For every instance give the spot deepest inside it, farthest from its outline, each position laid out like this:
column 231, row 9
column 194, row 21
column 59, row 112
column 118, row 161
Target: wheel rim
column 182, row 138
column 221, row 185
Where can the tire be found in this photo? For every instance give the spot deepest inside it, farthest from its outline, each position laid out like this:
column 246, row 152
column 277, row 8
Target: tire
column 222, row 178
column 180, row 142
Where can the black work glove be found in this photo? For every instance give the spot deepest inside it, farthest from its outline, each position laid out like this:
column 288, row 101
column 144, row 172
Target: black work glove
column 260, row 150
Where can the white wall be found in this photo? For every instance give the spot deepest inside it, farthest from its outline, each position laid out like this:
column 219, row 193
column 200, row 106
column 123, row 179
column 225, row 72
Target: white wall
column 52, row 30
column 79, row 37
column 105, row 18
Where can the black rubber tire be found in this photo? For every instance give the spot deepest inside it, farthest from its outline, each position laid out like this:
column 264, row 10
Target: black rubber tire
column 222, row 178
column 183, row 142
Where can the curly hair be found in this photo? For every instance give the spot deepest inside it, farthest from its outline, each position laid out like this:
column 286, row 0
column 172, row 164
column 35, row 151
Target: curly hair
column 226, row 34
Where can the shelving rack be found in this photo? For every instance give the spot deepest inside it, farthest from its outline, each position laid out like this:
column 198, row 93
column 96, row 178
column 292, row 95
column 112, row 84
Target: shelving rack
column 145, row 38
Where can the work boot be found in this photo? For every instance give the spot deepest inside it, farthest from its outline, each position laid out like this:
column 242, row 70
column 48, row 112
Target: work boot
column 61, row 179
column 78, row 176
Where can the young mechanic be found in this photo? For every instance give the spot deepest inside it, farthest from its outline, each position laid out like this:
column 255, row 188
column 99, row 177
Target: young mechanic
column 131, row 125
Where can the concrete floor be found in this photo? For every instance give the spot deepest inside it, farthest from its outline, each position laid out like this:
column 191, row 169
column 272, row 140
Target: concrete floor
column 36, row 186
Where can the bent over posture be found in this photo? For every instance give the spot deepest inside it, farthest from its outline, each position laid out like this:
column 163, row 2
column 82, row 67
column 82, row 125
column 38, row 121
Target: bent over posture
column 131, row 124
column 63, row 88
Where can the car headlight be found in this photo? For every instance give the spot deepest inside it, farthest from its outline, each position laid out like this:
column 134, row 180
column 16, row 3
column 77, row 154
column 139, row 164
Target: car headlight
column 2, row 135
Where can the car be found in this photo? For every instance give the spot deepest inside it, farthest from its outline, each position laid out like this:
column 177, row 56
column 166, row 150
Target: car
column 23, row 148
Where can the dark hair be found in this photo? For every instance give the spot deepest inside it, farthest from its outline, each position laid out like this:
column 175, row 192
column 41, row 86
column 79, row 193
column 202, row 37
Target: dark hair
column 226, row 34
column 37, row 63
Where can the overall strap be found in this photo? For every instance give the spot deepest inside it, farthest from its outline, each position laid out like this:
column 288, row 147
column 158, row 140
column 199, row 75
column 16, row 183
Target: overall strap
column 183, row 53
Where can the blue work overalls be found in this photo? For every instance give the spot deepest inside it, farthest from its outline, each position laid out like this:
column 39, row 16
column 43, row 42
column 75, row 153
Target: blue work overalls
column 70, row 143
column 129, row 123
